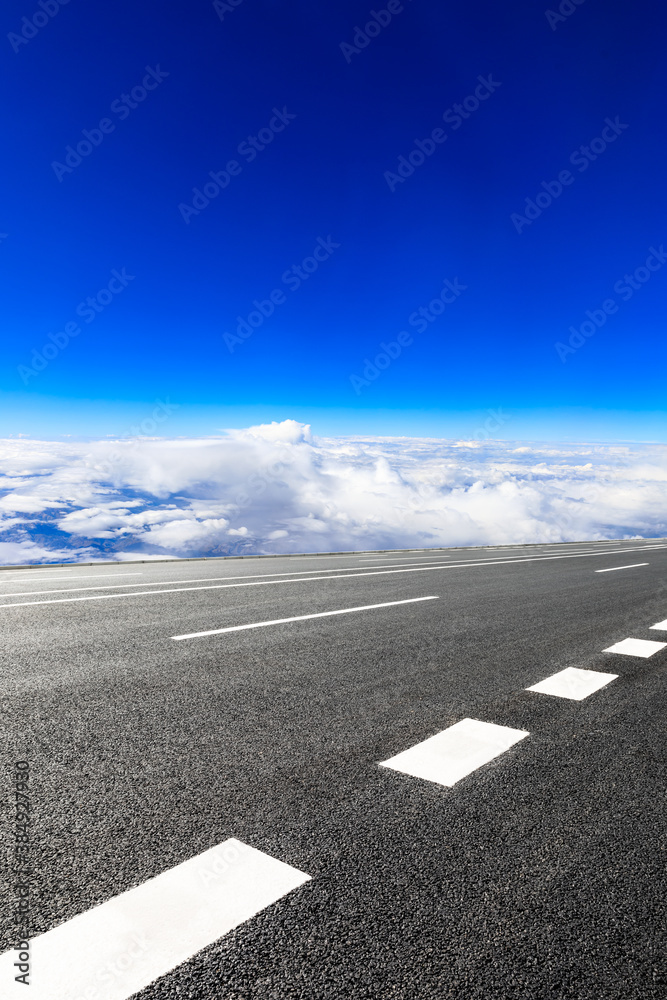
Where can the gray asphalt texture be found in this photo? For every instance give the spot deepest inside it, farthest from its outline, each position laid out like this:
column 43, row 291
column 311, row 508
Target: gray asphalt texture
column 541, row 874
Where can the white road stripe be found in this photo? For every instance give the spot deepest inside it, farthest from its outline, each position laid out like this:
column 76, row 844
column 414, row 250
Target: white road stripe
column 455, row 752
column 309, row 579
column 37, row 569
column 85, row 576
column 573, row 683
column 610, row 569
column 636, row 647
column 436, row 555
column 203, row 579
column 661, row 626
column 301, row 618
column 120, row 947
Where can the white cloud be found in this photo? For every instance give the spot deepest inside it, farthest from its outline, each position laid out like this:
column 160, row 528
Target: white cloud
column 25, row 551
column 276, row 488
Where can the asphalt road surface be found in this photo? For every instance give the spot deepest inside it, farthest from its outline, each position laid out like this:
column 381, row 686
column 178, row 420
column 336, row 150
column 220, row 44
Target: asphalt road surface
column 160, row 731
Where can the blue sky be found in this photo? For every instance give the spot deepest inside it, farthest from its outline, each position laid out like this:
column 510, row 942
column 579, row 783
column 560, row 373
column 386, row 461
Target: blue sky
column 314, row 213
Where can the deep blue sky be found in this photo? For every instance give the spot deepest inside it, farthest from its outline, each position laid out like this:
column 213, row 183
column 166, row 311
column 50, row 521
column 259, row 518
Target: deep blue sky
column 323, row 176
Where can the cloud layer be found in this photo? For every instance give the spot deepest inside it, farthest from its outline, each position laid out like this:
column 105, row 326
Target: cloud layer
column 276, row 489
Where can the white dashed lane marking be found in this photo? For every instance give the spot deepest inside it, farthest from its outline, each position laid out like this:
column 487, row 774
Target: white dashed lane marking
column 573, row 683
column 661, row 626
column 636, row 647
column 120, row 947
column 611, row 569
column 301, row 618
column 455, row 752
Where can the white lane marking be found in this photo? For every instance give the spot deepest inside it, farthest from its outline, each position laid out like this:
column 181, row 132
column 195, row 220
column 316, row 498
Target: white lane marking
column 636, row 647
column 661, row 626
column 203, row 579
column 336, row 569
column 118, row 948
column 91, row 576
column 455, row 752
column 308, row 579
column 38, row 569
column 436, row 555
column 610, row 569
column 181, row 590
column 567, row 551
column 301, row 618
column 573, row 683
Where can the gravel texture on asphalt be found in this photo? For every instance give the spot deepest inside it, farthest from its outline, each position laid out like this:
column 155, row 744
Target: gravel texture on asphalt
column 541, row 874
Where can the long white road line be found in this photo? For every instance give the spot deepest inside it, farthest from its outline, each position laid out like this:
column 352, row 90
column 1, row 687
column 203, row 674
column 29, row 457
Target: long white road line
column 202, row 579
column 240, row 582
column 612, row 569
column 301, row 618
column 118, row 948
column 215, row 579
column 82, row 576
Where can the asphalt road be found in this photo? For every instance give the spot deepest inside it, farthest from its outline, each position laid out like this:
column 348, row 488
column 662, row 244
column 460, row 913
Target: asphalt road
column 538, row 874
